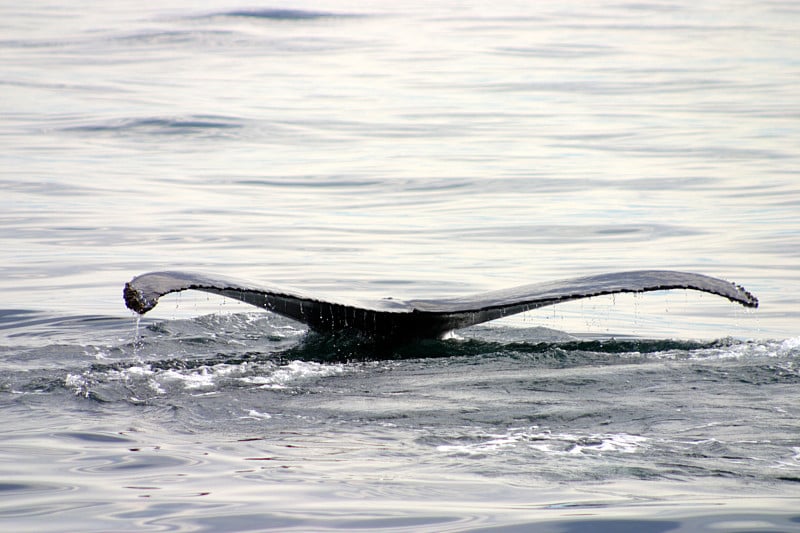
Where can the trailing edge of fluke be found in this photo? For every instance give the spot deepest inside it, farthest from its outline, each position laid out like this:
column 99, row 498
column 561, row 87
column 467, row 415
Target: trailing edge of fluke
column 393, row 319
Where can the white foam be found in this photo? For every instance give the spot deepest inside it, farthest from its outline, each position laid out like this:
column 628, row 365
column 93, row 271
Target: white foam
column 142, row 372
column 294, row 372
column 208, row 378
column 78, row 383
column 252, row 413
column 188, row 380
column 550, row 443
column 786, row 348
column 98, row 354
column 204, row 377
column 789, row 345
column 305, row 370
column 609, row 442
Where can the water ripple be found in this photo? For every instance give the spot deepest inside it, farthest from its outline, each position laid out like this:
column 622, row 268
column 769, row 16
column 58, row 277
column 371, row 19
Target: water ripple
column 186, row 125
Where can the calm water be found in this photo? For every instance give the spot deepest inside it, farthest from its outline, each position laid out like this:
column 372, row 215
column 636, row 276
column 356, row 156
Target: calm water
column 416, row 151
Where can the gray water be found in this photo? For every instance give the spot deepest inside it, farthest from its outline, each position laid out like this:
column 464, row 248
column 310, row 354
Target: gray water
column 415, row 151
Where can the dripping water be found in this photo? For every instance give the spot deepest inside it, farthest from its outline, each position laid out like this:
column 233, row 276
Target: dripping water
column 137, row 335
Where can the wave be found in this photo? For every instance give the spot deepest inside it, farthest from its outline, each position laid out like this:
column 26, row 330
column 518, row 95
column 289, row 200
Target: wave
column 179, row 125
column 281, row 14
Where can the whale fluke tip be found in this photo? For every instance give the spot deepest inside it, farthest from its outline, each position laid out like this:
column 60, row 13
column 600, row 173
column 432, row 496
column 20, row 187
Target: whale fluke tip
column 136, row 301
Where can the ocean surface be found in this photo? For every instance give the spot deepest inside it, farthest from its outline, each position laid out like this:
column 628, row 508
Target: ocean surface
column 412, row 150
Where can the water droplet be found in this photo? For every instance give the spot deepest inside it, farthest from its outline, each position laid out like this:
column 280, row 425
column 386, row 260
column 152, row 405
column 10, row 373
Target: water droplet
column 137, row 337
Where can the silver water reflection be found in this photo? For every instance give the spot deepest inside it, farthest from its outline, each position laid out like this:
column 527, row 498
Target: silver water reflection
column 413, row 151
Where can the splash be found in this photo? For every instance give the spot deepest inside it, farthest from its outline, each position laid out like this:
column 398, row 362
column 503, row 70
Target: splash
column 143, row 381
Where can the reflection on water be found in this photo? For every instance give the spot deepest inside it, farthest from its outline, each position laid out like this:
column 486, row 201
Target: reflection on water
column 256, row 483
column 413, row 151
column 495, row 147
